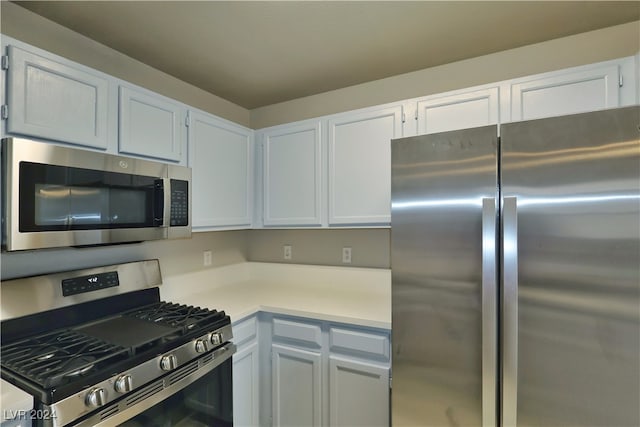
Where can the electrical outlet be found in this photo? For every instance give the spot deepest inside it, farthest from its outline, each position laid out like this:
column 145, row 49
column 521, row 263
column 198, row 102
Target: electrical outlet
column 346, row 255
column 288, row 251
column 206, row 258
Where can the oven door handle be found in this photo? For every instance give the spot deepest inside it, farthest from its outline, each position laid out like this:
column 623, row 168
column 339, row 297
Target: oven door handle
column 124, row 412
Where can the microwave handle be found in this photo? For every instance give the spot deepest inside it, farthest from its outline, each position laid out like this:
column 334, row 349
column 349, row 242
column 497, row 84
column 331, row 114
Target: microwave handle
column 166, row 216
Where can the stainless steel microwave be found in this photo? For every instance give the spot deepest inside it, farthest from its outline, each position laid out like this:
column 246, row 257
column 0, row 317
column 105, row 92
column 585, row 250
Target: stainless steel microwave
column 55, row 196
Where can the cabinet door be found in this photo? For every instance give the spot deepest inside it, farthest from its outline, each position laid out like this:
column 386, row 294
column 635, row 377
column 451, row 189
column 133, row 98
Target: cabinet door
column 246, row 380
column 54, row 100
column 359, row 393
column 292, row 173
column 220, row 155
column 458, row 111
column 556, row 94
column 360, row 166
column 297, row 387
column 150, row 126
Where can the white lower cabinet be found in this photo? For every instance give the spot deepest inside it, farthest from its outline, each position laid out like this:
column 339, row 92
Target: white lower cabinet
column 297, row 386
column 328, row 374
column 246, row 378
column 357, row 393
column 293, row 371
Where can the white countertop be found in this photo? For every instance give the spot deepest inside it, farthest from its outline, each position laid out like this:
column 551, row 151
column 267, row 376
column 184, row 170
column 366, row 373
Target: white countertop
column 359, row 296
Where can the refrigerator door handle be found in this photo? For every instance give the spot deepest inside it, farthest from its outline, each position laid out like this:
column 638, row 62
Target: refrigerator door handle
column 510, row 312
column 489, row 313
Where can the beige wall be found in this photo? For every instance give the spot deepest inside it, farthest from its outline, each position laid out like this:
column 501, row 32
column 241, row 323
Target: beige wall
column 31, row 28
column 176, row 256
column 600, row 45
column 370, row 247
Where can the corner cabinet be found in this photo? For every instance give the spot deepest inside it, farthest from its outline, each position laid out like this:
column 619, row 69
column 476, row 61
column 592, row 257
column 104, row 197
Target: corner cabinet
column 55, row 100
column 360, row 165
column 221, row 158
column 292, row 175
column 151, row 125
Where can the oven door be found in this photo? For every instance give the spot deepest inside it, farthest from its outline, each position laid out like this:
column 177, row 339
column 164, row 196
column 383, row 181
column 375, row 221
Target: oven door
column 197, row 395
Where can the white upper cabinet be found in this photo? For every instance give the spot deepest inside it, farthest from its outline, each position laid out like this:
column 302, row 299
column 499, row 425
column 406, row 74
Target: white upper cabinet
column 221, row 158
column 458, row 110
column 150, row 125
column 360, row 166
column 55, row 100
column 292, row 175
column 583, row 89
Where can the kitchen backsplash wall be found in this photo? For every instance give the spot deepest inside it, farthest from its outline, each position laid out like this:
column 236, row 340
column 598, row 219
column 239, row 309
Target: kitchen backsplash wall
column 369, row 247
column 176, row 256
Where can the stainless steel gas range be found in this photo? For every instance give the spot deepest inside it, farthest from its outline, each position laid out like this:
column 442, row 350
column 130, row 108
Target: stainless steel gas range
column 97, row 347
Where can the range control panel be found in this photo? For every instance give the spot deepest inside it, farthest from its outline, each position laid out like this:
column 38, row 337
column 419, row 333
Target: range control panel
column 94, row 282
column 179, row 203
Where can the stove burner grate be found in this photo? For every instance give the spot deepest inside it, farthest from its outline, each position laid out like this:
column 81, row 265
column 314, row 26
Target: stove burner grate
column 55, row 358
column 177, row 315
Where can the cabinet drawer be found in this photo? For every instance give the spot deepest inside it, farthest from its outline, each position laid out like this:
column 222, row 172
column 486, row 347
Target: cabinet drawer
column 366, row 344
column 297, row 332
column 245, row 331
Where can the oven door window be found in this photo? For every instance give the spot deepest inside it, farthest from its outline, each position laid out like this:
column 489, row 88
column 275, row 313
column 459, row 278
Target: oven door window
column 208, row 402
column 57, row 198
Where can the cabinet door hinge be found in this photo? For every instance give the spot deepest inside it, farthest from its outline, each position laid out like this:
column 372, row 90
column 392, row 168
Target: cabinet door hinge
column 187, row 120
column 5, row 62
column 620, row 80
column 4, row 112
column 390, row 382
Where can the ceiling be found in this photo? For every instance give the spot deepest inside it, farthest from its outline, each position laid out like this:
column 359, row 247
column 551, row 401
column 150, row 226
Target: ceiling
column 260, row 53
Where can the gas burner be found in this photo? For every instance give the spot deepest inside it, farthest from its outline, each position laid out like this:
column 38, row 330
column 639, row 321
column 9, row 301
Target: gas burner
column 54, row 358
column 176, row 315
column 46, row 353
column 80, row 366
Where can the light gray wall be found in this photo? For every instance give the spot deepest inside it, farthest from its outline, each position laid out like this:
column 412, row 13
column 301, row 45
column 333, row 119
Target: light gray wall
column 21, row 24
column 586, row 48
column 176, row 256
column 370, row 247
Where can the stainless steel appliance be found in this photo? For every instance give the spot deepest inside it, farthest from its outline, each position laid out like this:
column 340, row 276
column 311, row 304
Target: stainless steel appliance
column 515, row 269
column 97, row 347
column 55, row 196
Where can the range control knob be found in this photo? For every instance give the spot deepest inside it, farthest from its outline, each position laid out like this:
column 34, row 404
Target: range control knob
column 201, row 346
column 123, row 384
column 168, row 362
column 216, row 338
column 96, row 397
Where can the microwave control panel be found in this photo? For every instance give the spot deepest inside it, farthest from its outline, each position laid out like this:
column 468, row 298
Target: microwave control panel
column 179, row 203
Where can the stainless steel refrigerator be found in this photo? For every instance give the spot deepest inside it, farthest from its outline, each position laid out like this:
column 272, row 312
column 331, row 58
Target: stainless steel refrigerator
column 516, row 279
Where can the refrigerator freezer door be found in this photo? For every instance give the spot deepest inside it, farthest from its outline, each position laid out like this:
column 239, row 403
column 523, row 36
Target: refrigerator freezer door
column 575, row 181
column 444, row 188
